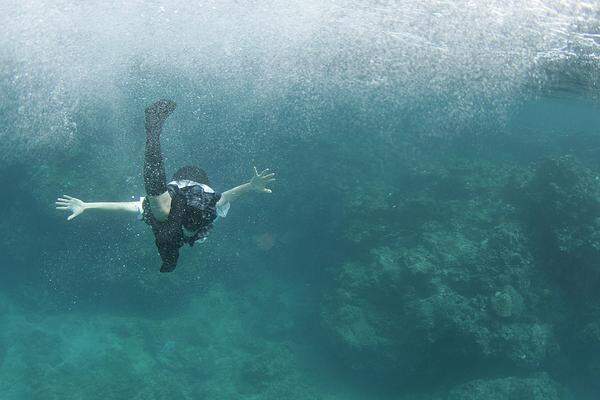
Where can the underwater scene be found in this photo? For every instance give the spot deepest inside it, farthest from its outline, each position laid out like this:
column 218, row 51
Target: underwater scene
column 401, row 199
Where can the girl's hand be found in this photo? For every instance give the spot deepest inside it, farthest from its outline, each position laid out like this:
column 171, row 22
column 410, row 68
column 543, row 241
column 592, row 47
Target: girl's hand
column 259, row 181
column 72, row 204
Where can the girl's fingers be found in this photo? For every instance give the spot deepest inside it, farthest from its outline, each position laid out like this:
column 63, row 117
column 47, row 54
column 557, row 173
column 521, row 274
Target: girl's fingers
column 271, row 180
column 60, row 199
column 268, row 176
column 264, row 172
column 62, row 208
column 68, row 197
column 255, row 170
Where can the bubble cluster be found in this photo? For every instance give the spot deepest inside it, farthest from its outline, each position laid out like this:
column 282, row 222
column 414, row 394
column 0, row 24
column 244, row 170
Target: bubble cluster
column 442, row 63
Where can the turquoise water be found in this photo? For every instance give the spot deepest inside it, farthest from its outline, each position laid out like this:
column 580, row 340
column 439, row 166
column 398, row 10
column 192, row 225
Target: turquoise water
column 434, row 232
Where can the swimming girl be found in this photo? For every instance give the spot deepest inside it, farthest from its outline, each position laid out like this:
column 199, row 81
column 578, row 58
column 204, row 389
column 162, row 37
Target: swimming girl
column 181, row 211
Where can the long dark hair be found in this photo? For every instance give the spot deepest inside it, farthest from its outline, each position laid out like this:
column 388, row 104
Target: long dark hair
column 192, row 173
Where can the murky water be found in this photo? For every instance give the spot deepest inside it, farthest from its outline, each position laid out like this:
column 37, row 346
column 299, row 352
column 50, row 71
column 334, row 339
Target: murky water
column 434, row 232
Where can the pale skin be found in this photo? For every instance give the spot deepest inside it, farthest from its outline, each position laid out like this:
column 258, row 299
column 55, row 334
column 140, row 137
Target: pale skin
column 161, row 205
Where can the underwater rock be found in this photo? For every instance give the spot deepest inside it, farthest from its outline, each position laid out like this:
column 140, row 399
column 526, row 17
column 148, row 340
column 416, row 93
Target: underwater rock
column 528, row 346
column 560, row 203
column 506, row 302
column 395, row 312
column 586, row 351
column 502, row 304
column 459, row 286
column 538, row 387
column 204, row 352
column 271, row 366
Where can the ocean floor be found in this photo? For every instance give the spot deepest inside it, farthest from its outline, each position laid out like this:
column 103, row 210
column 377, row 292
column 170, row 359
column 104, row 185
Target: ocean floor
column 202, row 352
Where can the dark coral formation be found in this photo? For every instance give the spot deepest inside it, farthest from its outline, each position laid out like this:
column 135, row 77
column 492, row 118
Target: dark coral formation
column 560, row 204
column 478, row 267
column 538, row 387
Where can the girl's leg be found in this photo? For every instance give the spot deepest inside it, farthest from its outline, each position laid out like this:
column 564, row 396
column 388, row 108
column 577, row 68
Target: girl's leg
column 155, row 179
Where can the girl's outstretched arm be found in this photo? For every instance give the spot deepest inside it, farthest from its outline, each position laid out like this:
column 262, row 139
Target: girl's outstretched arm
column 76, row 206
column 258, row 183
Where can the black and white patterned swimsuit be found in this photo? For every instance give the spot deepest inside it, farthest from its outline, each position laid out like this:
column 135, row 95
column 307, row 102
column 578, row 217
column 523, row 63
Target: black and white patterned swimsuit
column 169, row 234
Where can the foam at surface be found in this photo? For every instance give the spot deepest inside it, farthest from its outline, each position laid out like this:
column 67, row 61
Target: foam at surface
column 463, row 59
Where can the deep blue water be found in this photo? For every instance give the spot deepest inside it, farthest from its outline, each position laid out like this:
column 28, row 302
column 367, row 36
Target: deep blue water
column 434, row 232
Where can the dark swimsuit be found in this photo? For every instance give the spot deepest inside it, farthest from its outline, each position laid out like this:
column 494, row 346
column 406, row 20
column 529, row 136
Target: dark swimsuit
column 193, row 205
column 169, row 235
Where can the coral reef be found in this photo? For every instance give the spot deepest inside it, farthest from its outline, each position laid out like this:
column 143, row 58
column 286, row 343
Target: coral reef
column 560, row 203
column 539, row 387
column 202, row 352
column 460, row 286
